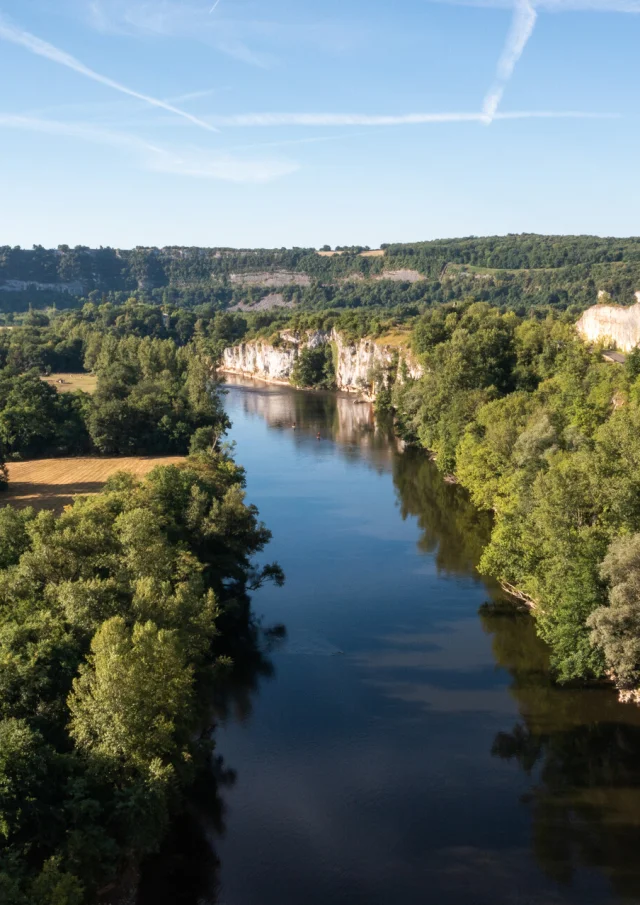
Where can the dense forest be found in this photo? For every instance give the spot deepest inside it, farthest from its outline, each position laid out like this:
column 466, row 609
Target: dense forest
column 517, row 271
column 120, row 617
column 118, row 612
column 539, row 429
column 544, row 434
column 114, row 616
column 152, row 397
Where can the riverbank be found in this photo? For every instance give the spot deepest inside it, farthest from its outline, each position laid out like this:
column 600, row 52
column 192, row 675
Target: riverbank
column 396, row 696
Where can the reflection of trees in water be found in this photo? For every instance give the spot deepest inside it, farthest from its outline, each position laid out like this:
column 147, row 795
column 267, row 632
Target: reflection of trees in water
column 186, row 869
column 452, row 528
column 581, row 748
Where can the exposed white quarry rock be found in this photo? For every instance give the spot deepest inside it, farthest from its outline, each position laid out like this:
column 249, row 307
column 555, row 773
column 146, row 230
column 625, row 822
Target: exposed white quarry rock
column 74, row 288
column 401, row 276
column 618, row 326
column 276, row 278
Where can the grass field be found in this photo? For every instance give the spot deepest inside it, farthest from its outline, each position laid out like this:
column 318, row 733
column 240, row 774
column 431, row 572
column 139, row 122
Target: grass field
column 397, row 338
column 86, row 382
column 53, row 483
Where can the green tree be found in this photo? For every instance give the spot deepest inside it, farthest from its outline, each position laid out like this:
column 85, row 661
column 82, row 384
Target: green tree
column 616, row 627
column 131, row 703
column 314, row 367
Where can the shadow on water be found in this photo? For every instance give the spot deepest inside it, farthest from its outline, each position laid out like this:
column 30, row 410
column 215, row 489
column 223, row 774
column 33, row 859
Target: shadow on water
column 185, row 871
column 453, row 530
column 580, row 749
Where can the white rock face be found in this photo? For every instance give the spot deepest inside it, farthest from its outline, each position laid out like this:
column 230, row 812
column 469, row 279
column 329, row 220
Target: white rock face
column 261, row 360
column 619, row 326
column 401, row 276
column 22, row 285
column 356, row 363
column 276, row 279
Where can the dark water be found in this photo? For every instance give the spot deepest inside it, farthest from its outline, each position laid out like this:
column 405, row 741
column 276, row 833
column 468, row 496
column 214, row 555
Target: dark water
column 405, row 743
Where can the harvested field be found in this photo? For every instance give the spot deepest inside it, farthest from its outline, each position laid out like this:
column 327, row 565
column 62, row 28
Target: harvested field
column 398, row 338
column 53, row 483
column 67, row 383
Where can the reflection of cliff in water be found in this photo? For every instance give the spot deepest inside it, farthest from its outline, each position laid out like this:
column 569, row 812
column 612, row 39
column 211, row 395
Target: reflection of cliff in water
column 452, row 528
column 581, row 749
column 349, row 422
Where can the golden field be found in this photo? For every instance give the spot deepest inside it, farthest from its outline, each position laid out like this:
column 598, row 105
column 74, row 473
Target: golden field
column 71, row 382
column 53, row 483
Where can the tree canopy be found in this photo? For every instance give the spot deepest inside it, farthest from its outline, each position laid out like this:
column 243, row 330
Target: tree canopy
column 112, row 615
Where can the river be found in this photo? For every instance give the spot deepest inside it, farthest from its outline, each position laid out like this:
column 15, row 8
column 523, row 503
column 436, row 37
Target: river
column 405, row 742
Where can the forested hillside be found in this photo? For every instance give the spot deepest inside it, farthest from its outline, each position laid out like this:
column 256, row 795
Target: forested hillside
column 544, row 434
column 516, row 270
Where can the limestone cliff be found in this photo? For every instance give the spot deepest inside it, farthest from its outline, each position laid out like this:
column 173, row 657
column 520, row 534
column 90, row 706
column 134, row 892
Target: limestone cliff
column 358, row 364
column 613, row 324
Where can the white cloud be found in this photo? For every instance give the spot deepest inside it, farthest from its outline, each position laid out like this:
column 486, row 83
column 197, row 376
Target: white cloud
column 16, row 35
column 183, row 162
column 170, row 19
column 252, row 33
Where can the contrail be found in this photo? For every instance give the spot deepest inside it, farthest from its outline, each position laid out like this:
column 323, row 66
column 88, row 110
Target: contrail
column 522, row 25
column 214, row 6
column 43, row 49
column 405, row 119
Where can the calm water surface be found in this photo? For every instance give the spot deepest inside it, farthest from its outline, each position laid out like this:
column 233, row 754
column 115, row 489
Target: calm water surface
column 404, row 744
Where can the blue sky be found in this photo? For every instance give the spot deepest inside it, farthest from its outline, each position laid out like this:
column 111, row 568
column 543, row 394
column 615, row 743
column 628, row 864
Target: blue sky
column 257, row 123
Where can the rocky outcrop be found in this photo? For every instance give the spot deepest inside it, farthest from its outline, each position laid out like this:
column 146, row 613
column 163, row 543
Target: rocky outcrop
column 613, row 324
column 275, row 279
column 360, row 366
column 74, row 288
column 400, row 276
column 266, row 303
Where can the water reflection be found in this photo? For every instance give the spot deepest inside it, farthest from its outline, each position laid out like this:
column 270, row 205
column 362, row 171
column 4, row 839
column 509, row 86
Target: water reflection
column 452, row 528
column 186, row 869
column 580, row 748
column 409, row 750
column 347, row 421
